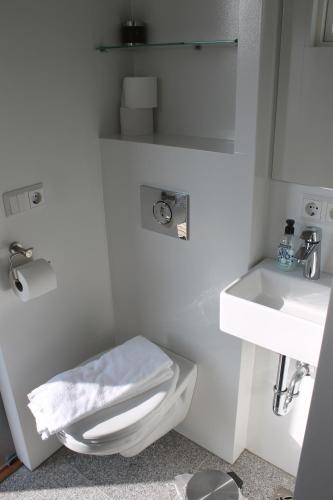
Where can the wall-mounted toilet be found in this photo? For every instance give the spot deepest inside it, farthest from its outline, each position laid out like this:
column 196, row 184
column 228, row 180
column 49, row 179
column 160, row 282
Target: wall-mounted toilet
column 129, row 427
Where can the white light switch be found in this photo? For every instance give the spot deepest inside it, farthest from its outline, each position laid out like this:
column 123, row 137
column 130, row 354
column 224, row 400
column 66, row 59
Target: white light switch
column 14, row 206
column 23, row 199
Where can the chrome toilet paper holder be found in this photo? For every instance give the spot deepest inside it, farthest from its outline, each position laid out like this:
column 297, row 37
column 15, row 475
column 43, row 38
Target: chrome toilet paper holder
column 29, row 278
column 17, row 250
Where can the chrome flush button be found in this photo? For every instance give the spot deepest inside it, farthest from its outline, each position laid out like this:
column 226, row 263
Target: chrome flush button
column 165, row 211
column 162, row 212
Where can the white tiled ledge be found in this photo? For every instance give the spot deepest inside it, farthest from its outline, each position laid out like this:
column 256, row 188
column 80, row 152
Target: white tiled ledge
column 225, row 146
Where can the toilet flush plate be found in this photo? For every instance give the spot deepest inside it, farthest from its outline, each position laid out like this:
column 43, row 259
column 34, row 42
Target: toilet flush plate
column 165, row 211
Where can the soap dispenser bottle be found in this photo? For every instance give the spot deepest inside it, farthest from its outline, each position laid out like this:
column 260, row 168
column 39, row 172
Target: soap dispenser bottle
column 285, row 258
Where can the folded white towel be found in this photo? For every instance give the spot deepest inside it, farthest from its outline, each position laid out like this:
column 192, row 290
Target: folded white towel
column 117, row 375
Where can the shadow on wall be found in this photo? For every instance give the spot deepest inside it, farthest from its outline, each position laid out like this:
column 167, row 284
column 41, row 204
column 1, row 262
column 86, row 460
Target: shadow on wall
column 4, row 270
column 7, row 448
column 300, row 412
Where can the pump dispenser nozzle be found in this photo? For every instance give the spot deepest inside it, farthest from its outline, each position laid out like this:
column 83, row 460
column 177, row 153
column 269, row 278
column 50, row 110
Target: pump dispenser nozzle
column 290, row 227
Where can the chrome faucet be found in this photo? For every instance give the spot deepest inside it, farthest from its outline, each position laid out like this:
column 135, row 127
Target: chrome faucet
column 309, row 253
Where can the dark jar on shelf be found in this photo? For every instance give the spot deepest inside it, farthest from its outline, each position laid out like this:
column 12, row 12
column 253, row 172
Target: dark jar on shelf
column 133, row 32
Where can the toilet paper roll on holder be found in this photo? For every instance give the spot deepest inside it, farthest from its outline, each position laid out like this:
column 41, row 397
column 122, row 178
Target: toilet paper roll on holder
column 17, row 250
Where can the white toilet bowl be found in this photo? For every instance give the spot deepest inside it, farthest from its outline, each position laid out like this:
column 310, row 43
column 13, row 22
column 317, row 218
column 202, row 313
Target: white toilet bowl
column 131, row 426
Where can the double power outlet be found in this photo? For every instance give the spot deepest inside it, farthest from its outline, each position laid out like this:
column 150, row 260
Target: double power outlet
column 23, row 199
column 318, row 209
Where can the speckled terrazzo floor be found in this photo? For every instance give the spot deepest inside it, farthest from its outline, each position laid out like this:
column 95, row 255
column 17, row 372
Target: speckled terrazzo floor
column 148, row 476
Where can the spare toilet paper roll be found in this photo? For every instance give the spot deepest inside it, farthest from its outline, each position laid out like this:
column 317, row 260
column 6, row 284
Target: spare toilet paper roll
column 140, row 92
column 34, row 279
column 135, row 122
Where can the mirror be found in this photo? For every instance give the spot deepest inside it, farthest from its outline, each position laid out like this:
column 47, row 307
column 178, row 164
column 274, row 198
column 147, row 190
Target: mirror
column 303, row 149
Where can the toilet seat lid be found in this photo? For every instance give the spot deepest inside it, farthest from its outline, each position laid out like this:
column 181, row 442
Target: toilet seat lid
column 124, row 417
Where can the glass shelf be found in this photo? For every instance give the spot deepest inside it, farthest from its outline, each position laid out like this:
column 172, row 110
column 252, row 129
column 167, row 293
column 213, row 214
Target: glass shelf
column 197, row 44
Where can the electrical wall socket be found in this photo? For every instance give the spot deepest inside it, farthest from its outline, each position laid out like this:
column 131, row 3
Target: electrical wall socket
column 312, row 208
column 36, row 196
column 316, row 208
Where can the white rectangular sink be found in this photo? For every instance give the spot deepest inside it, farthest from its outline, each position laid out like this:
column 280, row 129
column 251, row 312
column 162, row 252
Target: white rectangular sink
column 281, row 311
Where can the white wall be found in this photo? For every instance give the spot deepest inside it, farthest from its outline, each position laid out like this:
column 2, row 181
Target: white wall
column 269, row 48
column 314, row 478
column 196, row 88
column 278, row 440
column 168, row 289
column 56, row 95
column 188, row 20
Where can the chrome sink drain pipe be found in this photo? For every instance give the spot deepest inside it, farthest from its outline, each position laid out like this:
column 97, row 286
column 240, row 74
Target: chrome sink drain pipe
column 284, row 393
column 281, row 386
